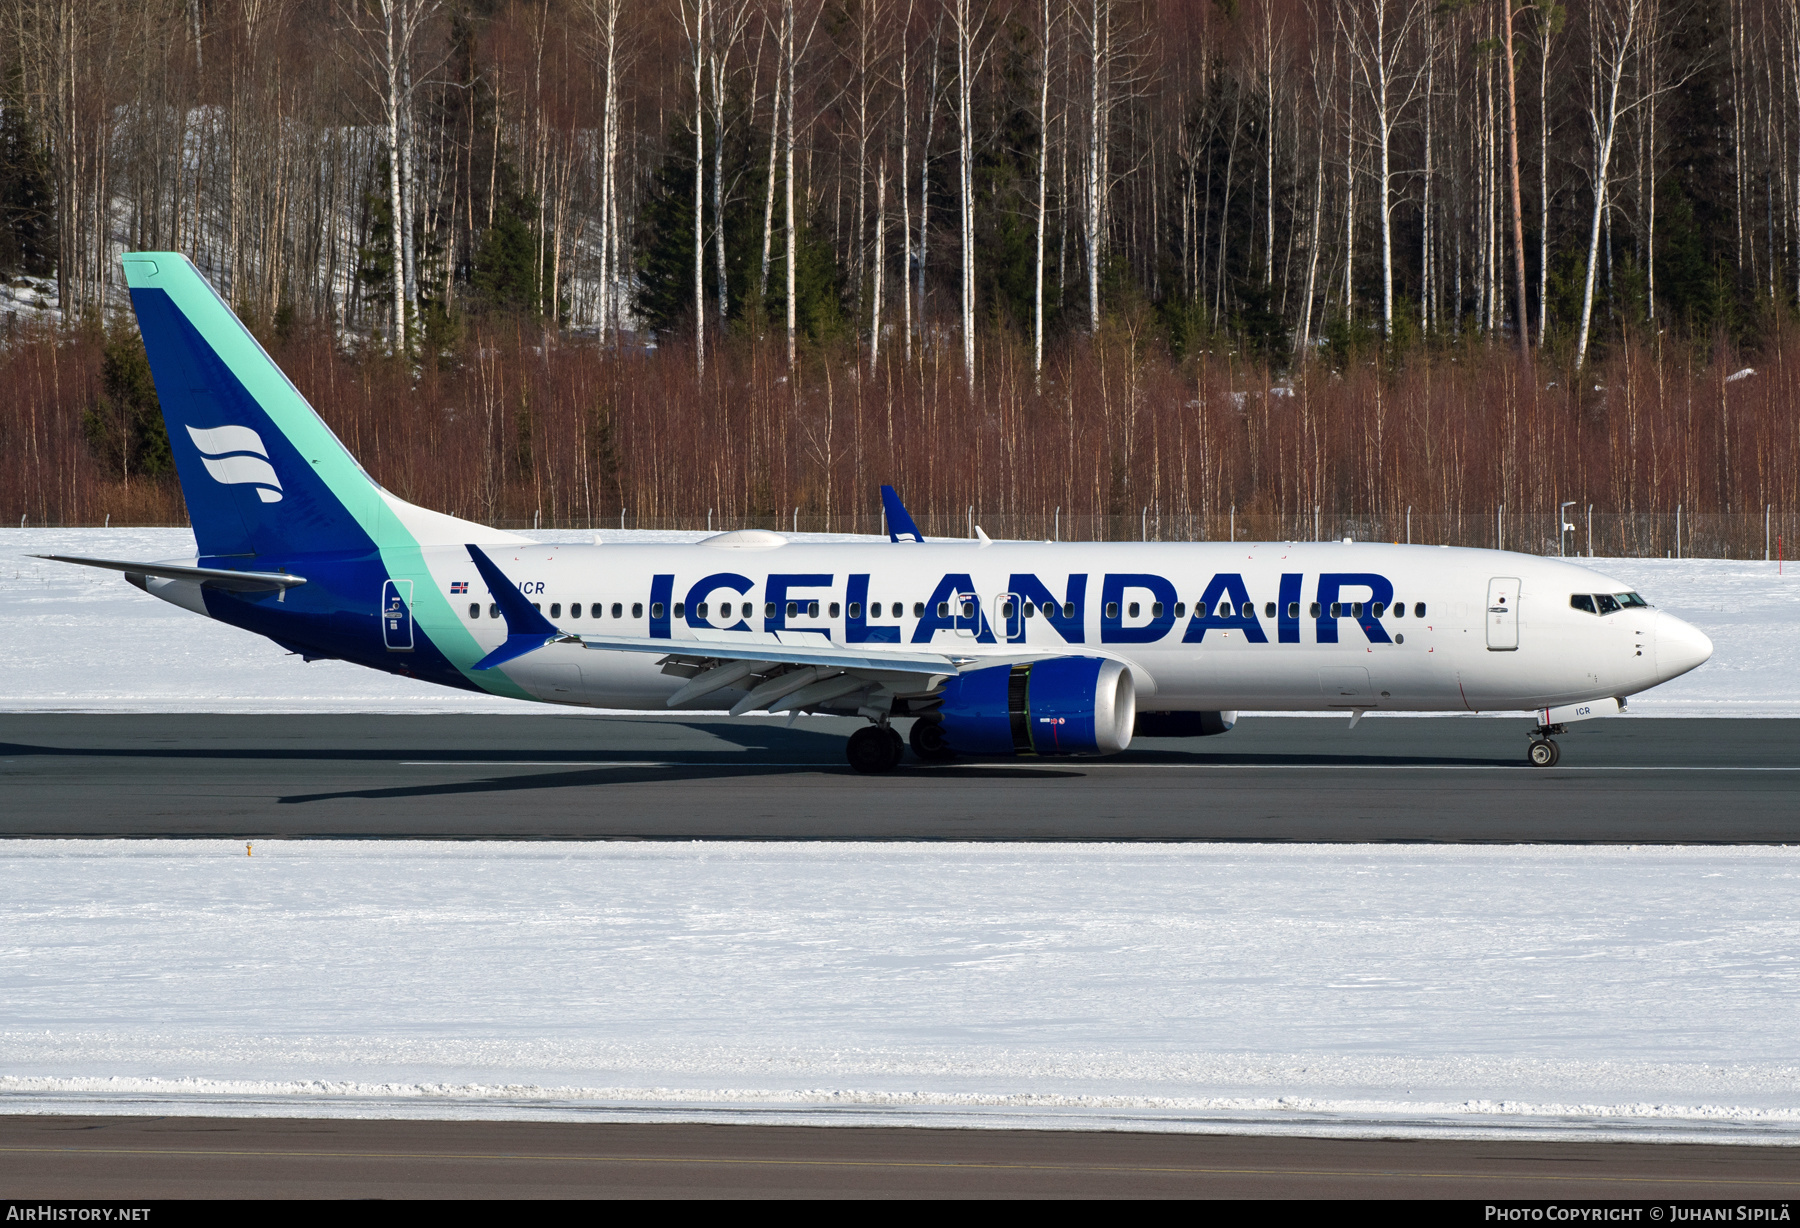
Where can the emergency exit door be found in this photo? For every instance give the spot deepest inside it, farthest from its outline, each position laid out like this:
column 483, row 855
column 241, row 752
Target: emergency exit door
column 396, row 615
column 1503, row 614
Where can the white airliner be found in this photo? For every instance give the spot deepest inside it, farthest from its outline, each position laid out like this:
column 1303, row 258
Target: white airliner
column 990, row 648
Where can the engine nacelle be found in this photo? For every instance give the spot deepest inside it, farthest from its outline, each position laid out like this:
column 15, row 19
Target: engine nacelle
column 1063, row 706
column 1184, row 724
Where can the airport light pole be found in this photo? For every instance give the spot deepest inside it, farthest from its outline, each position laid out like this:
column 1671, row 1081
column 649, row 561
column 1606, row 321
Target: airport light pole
column 1562, row 514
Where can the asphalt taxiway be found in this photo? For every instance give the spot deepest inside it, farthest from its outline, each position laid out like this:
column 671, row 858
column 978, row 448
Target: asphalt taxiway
column 1629, row 780
column 127, row 1158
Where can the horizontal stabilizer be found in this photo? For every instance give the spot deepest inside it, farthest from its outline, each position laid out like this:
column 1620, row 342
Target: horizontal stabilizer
column 211, row 577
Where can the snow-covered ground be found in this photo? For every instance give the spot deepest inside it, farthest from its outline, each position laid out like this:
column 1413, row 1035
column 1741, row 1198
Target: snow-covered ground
column 1623, row 992
column 84, row 640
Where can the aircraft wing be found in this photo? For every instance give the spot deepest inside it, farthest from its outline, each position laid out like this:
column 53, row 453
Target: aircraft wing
column 210, row 577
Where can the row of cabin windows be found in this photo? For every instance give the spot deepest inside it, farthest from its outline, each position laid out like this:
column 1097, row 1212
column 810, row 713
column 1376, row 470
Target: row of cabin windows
column 1607, row 603
column 1339, row 609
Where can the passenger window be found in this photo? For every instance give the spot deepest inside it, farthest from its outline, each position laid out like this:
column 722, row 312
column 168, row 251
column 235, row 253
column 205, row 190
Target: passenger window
column 1181, row 609
column 968, row 609
column 812, row 609
column 1030, row 609
column 494, row 610
column 474, row 609
column 1356, row 609
column 1269, row 609
column 855, row 609
column 919, row 609
column 1068, row 609
column 1315, row 609
column 1399, row 609
column 556, row 609
column 793, row 609
column 1247, row 610
column 1418, row 609
column 834, row 609
column 1112, row 609
column 537, row 607
column 943, row 609
column 1376, row 610
column 575, row 610
column 1607, row 604
column 1131, row 611
column 618, row 610
column 680, row 609
column 637, row 609
column 1006, row 609
column 1581, row 601
column 1337, row 609
column 1156, row 609
column 700, row 610
column 748, row 609
column 1294, row 609
column 769, row 609
column 655, row 610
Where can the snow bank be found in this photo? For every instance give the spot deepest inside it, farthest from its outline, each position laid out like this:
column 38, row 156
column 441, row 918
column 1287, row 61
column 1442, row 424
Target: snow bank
column 1621, row 992
column 84, row 640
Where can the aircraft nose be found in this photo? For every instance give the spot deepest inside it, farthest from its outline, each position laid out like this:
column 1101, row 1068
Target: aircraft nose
column 1680, row 646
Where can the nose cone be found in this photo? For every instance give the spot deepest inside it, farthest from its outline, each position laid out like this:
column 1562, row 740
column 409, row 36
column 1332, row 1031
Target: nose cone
column 1679, row 646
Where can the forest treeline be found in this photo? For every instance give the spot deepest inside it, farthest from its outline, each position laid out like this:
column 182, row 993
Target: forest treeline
column 577, row 257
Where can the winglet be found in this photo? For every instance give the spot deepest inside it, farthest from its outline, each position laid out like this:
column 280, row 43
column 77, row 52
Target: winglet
column 526, row 629
column 900, row 521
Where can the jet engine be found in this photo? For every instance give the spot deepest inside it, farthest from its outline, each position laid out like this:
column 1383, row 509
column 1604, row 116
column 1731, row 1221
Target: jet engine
column 1062, row 706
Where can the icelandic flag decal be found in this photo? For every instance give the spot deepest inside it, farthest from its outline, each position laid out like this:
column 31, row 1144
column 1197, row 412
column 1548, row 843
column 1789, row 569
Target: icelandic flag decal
column 458, row 586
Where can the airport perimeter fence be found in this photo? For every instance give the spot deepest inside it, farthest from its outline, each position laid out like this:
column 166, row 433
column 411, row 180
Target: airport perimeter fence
column 1584, row 533
column 1597, row 534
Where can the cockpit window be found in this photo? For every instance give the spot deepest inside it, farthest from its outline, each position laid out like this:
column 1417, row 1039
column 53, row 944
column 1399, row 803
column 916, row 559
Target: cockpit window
column 1608, row 604
column 1581, row 601
column 1632, row 601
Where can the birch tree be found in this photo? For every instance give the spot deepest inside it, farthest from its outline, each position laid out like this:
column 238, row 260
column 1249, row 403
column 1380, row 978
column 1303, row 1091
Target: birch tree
column 1614, row 25
column 1378, row 34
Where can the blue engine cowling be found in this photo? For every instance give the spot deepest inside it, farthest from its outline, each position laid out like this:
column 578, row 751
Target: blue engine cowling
column 1063, row 706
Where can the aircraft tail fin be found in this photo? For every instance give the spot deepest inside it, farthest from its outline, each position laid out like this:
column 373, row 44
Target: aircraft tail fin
column 899, row 520
column 261, row 471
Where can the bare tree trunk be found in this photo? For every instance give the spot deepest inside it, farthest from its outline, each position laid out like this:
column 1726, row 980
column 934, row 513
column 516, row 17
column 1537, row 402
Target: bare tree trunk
column 965, row 136
column 905, row 192
column 879, row 271
column 1604, row 112
column 1043, row 186
column 792, row 319
column 774, row 153
column 697, row 47
column 1512, row 161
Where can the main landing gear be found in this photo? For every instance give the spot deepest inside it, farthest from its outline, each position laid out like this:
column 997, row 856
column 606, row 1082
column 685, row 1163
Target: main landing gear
column 875, row 748
column 1543, row 752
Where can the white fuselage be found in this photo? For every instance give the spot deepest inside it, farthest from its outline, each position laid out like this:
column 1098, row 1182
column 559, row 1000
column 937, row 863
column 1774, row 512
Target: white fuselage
column 1481, row 629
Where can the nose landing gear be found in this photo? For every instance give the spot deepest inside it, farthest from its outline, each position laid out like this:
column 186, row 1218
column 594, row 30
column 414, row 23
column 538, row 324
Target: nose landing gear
column 875, row 748
column 1543, row 752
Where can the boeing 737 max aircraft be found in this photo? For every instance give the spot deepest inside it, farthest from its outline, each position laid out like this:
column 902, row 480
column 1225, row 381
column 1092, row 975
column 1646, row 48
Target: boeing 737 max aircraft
column 991, row 648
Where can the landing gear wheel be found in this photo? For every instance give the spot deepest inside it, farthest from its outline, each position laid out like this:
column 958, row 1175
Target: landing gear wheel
column 869, row 750
column 896, row 746
column 928, row 742
column 1543, row 753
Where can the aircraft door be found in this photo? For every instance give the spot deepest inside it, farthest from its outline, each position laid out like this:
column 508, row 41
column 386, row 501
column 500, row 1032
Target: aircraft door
column 1503, row 614
column 396, row 615
column 1009, row 613
column 965, row 614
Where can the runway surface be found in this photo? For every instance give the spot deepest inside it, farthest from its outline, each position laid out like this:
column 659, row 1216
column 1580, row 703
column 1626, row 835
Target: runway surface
column 174, row 1157
column 1629, row 780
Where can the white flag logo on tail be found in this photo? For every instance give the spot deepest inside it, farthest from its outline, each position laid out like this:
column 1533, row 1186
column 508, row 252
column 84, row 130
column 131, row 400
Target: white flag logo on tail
column 235, row 456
